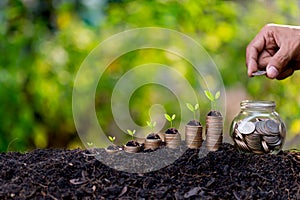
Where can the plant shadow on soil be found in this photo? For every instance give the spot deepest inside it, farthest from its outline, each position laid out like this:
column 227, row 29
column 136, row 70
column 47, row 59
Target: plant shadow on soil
column 224, row 174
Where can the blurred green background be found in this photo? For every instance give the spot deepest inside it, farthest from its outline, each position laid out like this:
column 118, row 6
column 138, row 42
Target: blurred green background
column 43, row 43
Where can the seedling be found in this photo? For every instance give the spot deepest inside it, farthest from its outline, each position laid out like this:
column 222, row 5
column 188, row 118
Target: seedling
column 170, row 119
column 193, row 108
column 212, row 97
column 90, row 144
column 151, row 125
column 112, row 139
column 131, row 133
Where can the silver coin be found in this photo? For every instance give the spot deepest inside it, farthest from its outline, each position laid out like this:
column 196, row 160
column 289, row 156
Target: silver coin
column 272, row 126
column 265, row 146
column 259, row 73
column 246, row 127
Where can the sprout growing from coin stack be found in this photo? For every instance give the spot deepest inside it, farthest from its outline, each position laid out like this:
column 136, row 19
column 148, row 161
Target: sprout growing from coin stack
column 153, row 140
column 214, row 124
column 193, row 129
column 132, row 146
column 172, row 136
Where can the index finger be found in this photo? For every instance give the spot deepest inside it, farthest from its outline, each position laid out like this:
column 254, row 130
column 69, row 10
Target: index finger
column 253, row 50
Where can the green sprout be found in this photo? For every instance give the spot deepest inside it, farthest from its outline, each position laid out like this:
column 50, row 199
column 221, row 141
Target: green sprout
column 112, row 138
column 151, row 125
column 90, row 144
column 131, row 133
column 212, row 97
column 170, row 119
column 193, row 108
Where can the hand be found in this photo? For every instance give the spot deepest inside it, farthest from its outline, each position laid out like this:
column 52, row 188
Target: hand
column 276, row 48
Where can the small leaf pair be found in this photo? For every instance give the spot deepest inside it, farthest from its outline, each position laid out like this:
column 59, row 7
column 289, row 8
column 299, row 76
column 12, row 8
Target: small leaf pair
column 193, row 108
column 212, row 97
column 170, row 119
column 131, row 133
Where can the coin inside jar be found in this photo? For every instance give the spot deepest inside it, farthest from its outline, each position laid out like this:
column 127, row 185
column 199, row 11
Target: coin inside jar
column 246, row 127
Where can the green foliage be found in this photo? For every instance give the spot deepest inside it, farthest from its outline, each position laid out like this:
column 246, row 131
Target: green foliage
column 112, row 139
column 151, row 125
column 170, row 119
column 193, row 108
column 131, row 133
column 212, row 97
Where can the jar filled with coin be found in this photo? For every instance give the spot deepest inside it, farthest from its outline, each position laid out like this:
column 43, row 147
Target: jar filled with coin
column 258, row 128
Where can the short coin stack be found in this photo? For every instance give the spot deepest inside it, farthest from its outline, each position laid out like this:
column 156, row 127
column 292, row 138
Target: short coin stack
column 193, row 136
column 261, row 136
column 214, row 132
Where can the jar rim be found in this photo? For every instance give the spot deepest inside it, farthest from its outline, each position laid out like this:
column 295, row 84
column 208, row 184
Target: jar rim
column 258, row 104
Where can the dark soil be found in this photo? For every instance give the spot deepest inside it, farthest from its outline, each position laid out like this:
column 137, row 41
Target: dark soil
column 214, row 113
column 132, row 143
column 225, row 174
column 171, row 131
column 194, row 123
column 153, row 136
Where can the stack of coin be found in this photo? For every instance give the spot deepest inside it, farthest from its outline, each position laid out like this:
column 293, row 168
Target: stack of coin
column 193, row 136
column 172, row 140
column 260, row 136
column 214, row 132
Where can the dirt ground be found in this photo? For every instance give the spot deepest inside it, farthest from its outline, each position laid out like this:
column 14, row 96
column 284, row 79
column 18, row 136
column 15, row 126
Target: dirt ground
column 224, row 174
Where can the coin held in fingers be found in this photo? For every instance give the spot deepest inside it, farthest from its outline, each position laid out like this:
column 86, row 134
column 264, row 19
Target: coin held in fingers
column 259, row 73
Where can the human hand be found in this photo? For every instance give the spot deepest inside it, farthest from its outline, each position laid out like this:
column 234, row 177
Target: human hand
column 276, row 49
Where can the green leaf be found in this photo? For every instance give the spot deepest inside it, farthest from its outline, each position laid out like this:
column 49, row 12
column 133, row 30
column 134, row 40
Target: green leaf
column 190, row 107
column 196, row 107
column 217, row 95
column 112, row 139
column 173, row 116
column 148, row 123
column 168, row 117
column 209, row 95
column 130, row 132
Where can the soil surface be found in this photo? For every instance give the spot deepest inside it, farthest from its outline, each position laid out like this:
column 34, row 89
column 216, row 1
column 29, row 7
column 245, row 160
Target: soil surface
column 224, row 174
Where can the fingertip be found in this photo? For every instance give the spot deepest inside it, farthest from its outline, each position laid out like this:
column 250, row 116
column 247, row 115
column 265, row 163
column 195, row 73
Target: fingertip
column 272, row 72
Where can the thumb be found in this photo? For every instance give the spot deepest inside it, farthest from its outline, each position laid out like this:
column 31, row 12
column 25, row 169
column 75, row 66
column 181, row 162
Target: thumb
column 278, row 63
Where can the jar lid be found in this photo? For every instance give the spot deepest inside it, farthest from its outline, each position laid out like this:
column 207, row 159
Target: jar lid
column 257, row 104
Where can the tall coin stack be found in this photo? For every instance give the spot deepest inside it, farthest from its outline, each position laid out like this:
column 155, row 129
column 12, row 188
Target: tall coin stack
column 260, row 136
column 214, row 132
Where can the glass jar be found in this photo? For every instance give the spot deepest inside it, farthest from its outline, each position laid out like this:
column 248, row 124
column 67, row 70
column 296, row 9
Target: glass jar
column 258, row 128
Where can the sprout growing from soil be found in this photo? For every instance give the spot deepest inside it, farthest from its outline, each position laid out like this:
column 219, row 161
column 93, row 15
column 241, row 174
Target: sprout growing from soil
column 112, row 138
column 90, row 144
column 212, row 97
column 170, row 119
column 193, row 108
column 151, row 125
column 131, row 133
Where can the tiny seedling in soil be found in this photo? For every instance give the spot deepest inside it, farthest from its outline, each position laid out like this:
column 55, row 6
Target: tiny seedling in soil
column 131, row 133
column 151, row 125
column 170, row 119
column 112, row 147
column 90, row 144
column 213, row 99
column 192, row 108
column 112, row 139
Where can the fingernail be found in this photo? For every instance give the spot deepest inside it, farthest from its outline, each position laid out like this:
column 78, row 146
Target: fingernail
column 272, row 72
